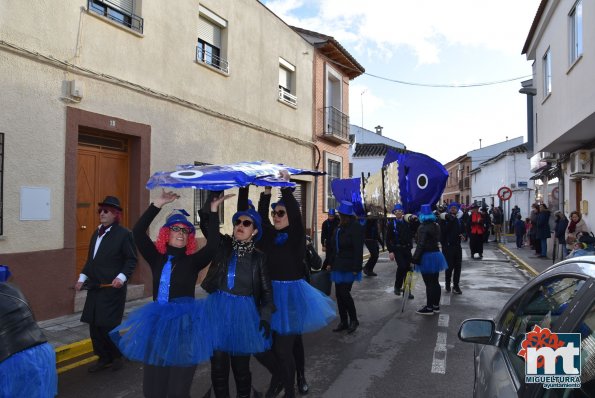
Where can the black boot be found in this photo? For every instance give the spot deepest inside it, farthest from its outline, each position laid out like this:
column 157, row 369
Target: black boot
column 352, row 326
column 340, row 327
column 302, row 384
column 275, row 388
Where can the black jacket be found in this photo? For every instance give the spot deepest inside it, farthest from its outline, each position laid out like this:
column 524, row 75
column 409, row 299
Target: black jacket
column 399, row 236
column 328, row 227
column 350, row 254
column 116, row 254
column 18, row 329
column 428, row 237
column 452, row 229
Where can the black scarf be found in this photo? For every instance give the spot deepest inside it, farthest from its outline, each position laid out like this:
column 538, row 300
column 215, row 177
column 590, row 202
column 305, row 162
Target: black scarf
column 242, row 248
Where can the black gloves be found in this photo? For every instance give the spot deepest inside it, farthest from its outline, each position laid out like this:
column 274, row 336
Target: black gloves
column 266, row 328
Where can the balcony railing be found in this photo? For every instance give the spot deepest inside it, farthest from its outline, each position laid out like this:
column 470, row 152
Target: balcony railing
column 336, row 125
column 207, row 57
column 116, row 13
column 287, row 97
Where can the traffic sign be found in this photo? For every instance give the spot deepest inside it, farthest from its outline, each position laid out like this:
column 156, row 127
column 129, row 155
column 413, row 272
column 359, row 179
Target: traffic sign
column 504, row 193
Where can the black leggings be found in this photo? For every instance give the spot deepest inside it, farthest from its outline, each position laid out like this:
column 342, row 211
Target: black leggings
column 433, row 290
column 345, row 302
column 240, row 364
column 167, row 381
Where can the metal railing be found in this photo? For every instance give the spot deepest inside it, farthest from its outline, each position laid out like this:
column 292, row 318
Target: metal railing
column 207, row 57
column 128, row 19
column 287, row 97
column 336, row 123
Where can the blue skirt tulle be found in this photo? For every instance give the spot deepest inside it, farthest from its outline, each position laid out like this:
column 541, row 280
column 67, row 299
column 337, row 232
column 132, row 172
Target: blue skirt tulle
column 166, row 334
column 235, row 322
column 345, row 277
column 30, row 373
column 300, row 308
column 431, row 263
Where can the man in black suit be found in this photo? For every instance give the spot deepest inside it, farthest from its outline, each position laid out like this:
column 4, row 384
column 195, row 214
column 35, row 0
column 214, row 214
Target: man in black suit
column 110, row 263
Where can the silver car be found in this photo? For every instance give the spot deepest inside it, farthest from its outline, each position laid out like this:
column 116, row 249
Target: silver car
column 562, row 299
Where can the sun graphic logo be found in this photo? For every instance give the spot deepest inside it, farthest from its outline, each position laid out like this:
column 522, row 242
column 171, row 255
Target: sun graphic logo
column 552, row 359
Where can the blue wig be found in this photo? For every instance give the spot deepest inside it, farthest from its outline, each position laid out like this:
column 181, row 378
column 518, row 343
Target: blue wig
column 427, row 217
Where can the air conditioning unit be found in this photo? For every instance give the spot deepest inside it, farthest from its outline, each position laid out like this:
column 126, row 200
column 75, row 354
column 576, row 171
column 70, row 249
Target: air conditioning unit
column 549, row 156
column 581, row 164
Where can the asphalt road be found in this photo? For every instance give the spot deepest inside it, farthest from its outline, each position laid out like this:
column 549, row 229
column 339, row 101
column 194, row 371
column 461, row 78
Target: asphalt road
column 392, row 354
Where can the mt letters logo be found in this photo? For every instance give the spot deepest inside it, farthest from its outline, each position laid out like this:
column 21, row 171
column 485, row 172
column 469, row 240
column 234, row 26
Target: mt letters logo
column 552, row 359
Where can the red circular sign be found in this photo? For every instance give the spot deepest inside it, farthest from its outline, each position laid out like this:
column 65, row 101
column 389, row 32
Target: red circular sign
column 504, row 193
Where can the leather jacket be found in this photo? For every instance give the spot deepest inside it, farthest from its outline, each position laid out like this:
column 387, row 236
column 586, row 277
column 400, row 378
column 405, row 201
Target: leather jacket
column 428, row 236
column 18, row 329
column 251, row 277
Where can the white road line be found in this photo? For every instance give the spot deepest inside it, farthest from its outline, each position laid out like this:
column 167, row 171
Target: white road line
column 445, row 299
column 443, row 320
column 439, row 358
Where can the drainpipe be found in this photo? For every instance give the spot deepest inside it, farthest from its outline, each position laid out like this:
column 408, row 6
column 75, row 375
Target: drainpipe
column 315, row 209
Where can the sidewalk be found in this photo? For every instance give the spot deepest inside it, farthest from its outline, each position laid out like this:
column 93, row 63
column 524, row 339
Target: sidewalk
column 525, row 256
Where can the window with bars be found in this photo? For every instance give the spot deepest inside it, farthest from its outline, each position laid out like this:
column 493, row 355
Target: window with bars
column 1, row 183
column 287, row 82
column 333, row 169
column 210, row 49
column 120, row 11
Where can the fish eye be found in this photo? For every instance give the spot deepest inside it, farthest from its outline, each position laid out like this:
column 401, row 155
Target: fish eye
column 422, row 181
column 186, row 174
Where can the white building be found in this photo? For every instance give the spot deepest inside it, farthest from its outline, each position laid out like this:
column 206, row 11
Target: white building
column 509, row 170
column 561, row 102
column 368, row 149
column 482, row 154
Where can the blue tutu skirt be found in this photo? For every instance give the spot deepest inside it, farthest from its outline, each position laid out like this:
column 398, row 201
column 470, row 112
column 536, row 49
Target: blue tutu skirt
column 235, row 323
column 300, row 308
column 166, row 334
column 431, row 263
column 30, row 373
column 345, row 277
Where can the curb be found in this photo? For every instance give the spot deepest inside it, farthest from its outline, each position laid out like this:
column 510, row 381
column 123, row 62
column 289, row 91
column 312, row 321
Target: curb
column 518, row 260
column 73, row 355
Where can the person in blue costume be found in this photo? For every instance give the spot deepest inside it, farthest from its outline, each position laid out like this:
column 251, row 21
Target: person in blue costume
column 300, row 307
column 169, row 335
column 240, row 303
column 346, row 255
column 27, row 360
column 429, row 259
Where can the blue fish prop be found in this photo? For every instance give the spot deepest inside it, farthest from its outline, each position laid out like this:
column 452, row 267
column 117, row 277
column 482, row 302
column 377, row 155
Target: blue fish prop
column 409, row 178
column 222, row 177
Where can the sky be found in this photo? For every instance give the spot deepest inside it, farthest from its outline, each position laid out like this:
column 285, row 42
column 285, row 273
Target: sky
column 437, row 42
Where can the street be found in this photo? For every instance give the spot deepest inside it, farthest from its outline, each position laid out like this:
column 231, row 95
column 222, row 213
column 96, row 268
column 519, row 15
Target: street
column 392, row 354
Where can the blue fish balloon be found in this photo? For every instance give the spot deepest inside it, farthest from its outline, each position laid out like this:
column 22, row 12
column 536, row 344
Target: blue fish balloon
column 222, row 177
column 409, row 178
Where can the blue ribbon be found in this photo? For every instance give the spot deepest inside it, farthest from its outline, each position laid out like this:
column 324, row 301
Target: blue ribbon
column 231, row 271
column 163, row 293
column 281, row 238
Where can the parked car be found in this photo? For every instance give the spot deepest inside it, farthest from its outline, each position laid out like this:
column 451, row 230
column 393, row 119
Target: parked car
column 562, row 299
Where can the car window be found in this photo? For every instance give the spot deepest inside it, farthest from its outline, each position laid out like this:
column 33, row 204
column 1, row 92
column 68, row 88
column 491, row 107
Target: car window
column 542, row 306
column 587, row 330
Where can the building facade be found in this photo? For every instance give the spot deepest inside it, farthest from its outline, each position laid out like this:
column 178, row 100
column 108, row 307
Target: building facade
column 103, row 94
column 458, row 185
column 561, row 103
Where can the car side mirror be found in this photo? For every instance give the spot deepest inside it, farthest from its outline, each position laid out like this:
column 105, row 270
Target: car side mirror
column 479, row 331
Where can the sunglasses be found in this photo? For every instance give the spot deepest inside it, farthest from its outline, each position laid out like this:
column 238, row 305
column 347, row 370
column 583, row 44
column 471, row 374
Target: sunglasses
column 104, row 210
column 245, row 223
column 185, row 231
column 279, row 213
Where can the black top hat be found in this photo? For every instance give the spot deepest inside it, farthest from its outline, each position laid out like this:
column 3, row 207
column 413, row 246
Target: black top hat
column 111, row 201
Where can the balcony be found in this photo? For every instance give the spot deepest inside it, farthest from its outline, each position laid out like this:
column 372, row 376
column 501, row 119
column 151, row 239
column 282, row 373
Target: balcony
column 207, row 57
column 114, row 12
column 464, row 183
column 286, row 97
column 336, row 125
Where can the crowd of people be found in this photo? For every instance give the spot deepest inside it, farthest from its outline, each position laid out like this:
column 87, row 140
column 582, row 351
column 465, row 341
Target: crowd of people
column 259, row 302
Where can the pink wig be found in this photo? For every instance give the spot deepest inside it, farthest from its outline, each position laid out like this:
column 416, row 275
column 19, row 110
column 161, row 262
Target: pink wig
column 163, row 239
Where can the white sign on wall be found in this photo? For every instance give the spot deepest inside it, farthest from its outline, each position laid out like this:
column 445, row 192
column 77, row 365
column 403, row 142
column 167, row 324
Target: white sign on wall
column 35, row 203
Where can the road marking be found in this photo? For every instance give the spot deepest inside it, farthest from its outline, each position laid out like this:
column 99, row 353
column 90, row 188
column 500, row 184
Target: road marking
column 439, row 358
column 445, row 299
column 443, row 320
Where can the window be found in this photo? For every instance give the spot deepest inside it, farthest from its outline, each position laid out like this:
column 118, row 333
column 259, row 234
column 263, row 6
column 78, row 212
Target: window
column 333, row 170
column 547, row 73
column 542, row 306
column 120, row 11
column 1, row 183
column 287, row 83
column 576, row 31
column 211, row 32
column 200, row 196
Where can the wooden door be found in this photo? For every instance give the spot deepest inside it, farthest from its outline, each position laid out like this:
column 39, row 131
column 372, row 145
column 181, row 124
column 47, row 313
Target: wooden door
column 100, row 172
